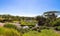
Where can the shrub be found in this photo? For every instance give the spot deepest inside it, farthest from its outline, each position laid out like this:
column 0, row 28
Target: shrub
column 57, row 28
column 8, row 32
column 24, row 30
column 44, row 27
column 10, row 26
column 55, row 23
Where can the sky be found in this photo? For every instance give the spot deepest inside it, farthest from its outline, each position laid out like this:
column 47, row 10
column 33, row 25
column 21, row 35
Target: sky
column 28, row 7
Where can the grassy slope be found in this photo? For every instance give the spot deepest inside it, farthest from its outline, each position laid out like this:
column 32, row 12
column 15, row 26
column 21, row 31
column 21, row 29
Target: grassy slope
column 42, row 33
column 8, row 32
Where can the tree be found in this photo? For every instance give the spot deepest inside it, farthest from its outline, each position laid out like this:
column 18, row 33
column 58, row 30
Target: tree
column 38, row 18
column 41, row 20
column 51, row 16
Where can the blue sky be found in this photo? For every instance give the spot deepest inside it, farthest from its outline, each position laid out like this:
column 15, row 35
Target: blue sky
column 28, row 7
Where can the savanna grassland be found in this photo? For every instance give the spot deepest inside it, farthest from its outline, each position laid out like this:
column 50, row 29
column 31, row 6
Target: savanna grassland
column 46, row 25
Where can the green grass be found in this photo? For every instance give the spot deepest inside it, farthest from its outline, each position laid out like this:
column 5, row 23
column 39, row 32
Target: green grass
column 48, row 33
column 10, row 26
column 28, row 23
column 8, row 32
column 44, row 32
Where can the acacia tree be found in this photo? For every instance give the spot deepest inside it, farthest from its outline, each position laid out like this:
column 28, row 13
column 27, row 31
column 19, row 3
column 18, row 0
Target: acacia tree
column 51, row 16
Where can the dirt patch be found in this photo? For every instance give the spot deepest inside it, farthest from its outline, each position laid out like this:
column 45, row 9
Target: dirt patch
column 2, row 24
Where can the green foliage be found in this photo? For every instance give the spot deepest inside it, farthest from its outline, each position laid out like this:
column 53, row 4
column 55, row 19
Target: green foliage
column 31, row 22
column 24, row 30
column 43, row 27
column 31, row 33
column 51, row 14
column 38, row 18
column 55, row 23
column 41, row 20
column 10, row 26
column 45, row 23
column 44, row 32
column 57, row 28
column 11, row 18
column 8, row 32
column 48, row 33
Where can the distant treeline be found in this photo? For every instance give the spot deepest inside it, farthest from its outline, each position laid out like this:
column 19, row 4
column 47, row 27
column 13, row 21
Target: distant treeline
column 10, row 18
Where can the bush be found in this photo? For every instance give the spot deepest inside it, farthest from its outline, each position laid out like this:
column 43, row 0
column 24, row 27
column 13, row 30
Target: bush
column 8, row 32
column 57, row 28
column 55, row 23
column 10, row 26
column 23, row 30
column 40, row 28
column 44, row 27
